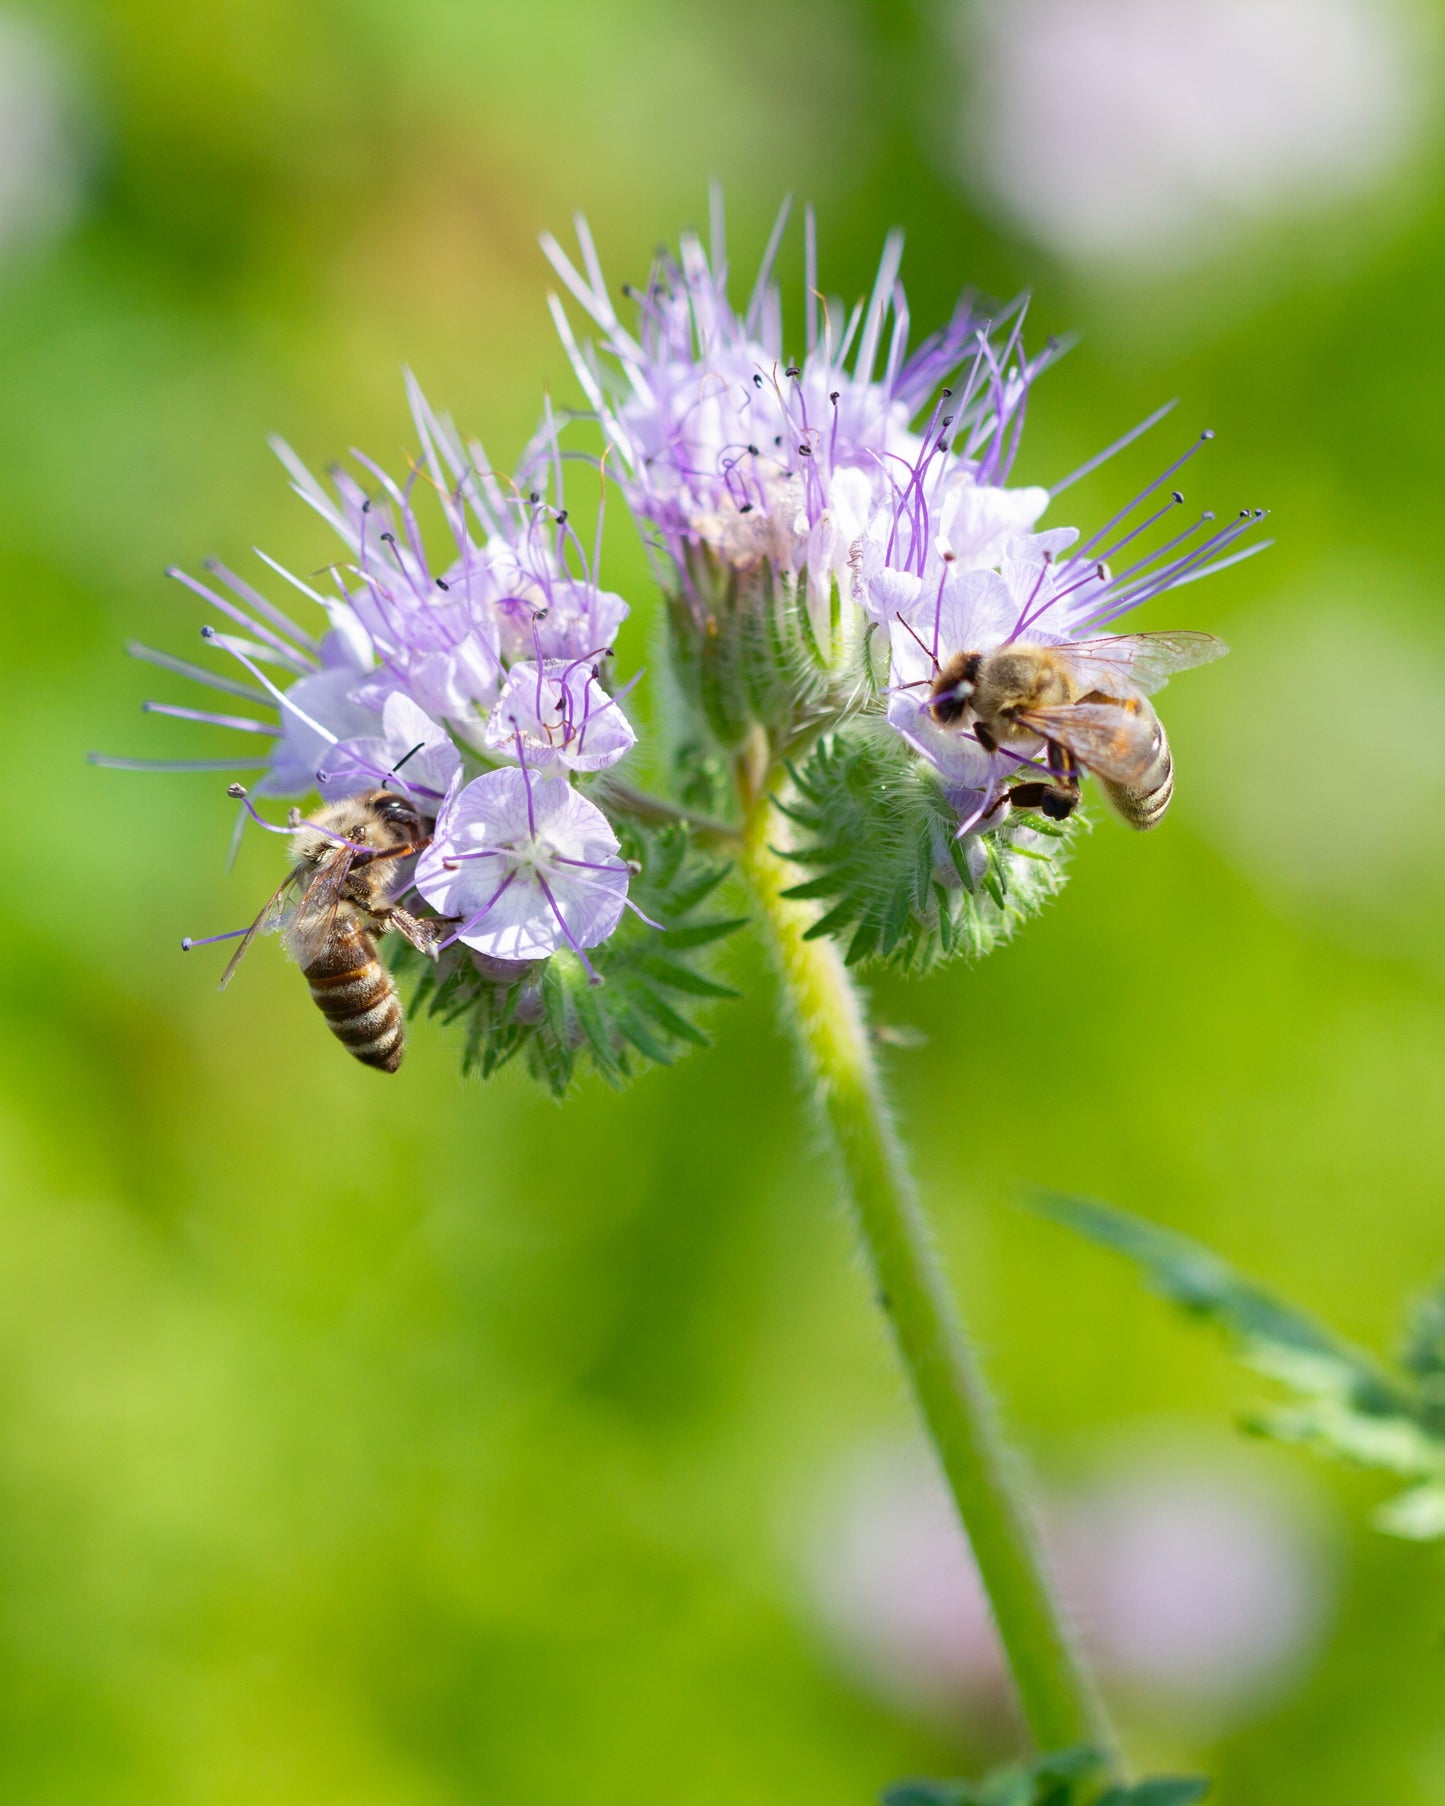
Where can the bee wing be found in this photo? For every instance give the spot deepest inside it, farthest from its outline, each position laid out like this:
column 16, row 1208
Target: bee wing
column 273, row 913
column 314, row 919
column 1118, row 744
column 1143, row 661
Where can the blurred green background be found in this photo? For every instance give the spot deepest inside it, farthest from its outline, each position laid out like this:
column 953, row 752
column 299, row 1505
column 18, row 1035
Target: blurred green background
column 414, row 1443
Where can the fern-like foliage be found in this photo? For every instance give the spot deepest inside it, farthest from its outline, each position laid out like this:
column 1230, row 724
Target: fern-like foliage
column 1065, row 1778
column 652, row 979
column 874, row 829
column 1342, row 1401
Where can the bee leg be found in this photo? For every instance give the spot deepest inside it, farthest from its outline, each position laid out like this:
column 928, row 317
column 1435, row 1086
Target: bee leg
column 1028, row 796
column 1056, row 801
column 424, row 932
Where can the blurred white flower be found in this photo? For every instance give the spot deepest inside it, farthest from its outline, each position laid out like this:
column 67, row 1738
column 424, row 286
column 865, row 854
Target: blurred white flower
column 42, row 160
column 1151, row 131
column 1201, row 1591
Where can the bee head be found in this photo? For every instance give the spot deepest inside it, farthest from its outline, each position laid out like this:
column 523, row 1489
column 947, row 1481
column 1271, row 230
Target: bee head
column 954, row 688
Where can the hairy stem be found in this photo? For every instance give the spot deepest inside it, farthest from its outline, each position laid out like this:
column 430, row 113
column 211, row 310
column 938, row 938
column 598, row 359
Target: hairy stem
column 1057, row 1697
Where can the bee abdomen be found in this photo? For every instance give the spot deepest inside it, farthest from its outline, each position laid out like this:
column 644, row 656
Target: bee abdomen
column 1143, row 804
column 356, row 995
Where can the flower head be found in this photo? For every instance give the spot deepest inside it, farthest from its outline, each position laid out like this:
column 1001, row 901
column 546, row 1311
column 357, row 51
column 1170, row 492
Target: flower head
column 442, row 633
column 745, row 459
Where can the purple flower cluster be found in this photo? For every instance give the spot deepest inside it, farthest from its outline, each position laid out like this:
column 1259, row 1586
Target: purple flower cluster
column 472, row 683
column 871, row 483
column 728, row 449
column 832, row 531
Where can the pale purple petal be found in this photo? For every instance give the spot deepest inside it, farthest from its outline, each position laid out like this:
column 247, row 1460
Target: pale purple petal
column 562, row 716
column 514, row 837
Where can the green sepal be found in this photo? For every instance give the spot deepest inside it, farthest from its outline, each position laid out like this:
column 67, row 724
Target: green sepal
column 652, row 980
column 877, row 839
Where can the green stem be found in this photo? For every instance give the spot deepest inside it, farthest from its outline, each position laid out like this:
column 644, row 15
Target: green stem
column 1058, row 1700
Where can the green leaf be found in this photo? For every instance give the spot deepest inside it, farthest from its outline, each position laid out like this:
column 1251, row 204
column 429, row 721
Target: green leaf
column 1052, row 1780
column 1166, row 1790
column 1343, row 1402
column 930, row 1793
column 875, row 841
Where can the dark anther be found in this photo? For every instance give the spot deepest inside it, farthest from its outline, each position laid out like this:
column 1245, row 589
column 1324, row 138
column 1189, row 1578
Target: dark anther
column 1178, row 495
column 947, row 420
column 943, row 445
column 535, row 496
column 561, row 516
column 1244, row 513
column 366, row 506
column 389, row 538
column 746, row 508
column 754, row 450
column 238, row 791
column 757, row 381
column 1208, row 433
column 833, row 397
column 777, row 438
column 442, row 583
column 792, row 370
column 630, row 292
column 945, row 393
column 804, row 452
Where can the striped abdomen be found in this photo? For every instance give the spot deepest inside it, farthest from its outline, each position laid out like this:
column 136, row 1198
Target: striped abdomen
column 1142, row 802
column 356, row 995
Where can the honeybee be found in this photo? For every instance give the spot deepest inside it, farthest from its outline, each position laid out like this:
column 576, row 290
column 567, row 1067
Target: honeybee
column 1087, row 702
column 332, row 905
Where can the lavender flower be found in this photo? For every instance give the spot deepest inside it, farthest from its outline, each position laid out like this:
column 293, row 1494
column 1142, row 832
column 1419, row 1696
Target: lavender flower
column 411, row 750
column 514, row 586
column 526, row 866
column 557, row 713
